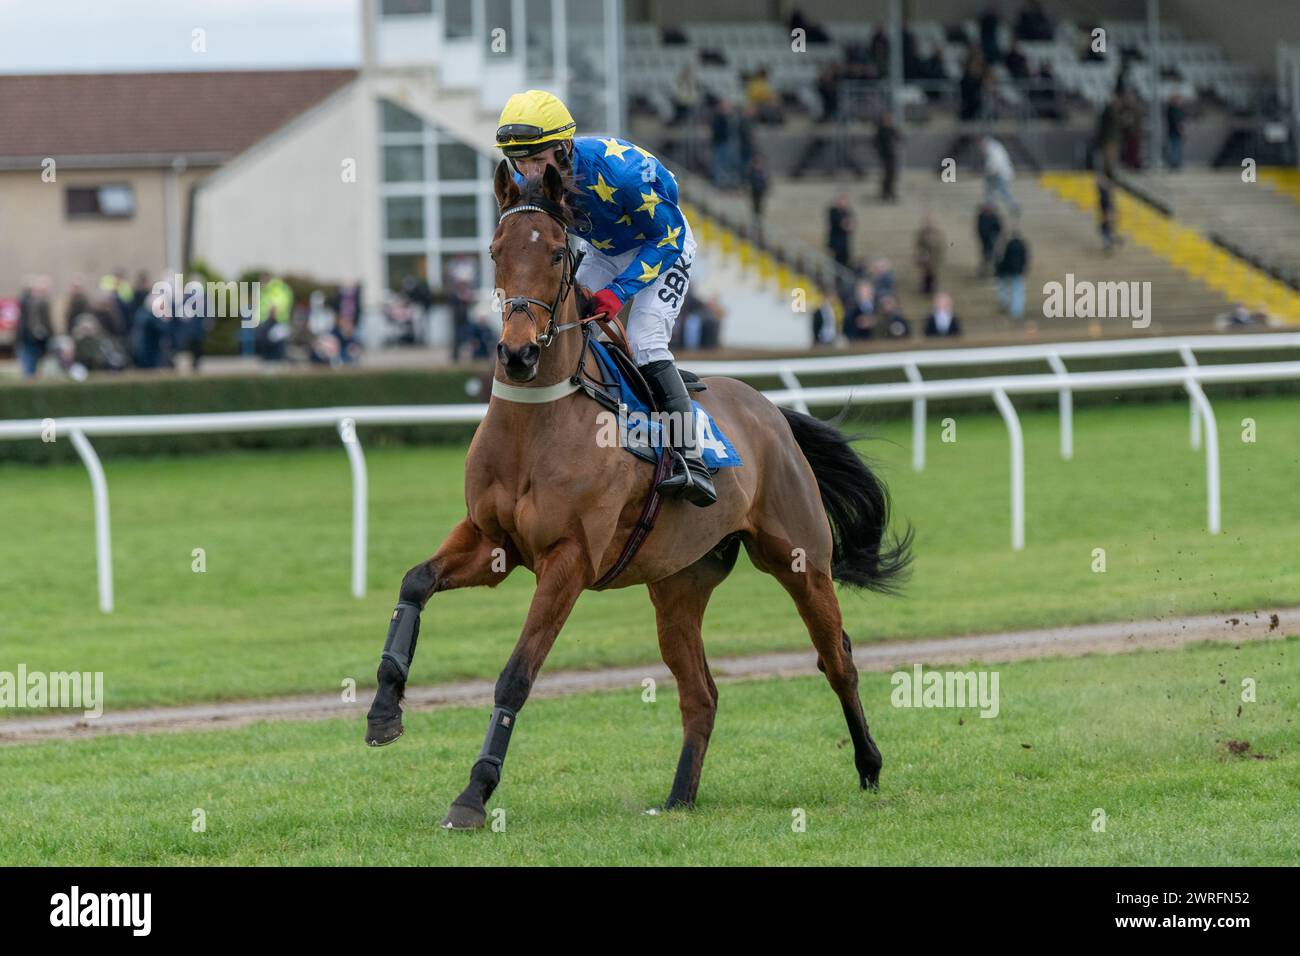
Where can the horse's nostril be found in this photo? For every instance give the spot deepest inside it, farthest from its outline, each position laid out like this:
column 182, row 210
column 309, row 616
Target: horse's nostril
column 503, row 353
column 529, row 353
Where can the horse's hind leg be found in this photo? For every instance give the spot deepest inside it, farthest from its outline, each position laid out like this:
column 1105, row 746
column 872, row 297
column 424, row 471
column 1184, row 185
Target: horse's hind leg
column 814, row 596
column 679, row 603
column 466, row 559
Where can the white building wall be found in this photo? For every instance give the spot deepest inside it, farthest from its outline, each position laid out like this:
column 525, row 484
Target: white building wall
column 287, row 205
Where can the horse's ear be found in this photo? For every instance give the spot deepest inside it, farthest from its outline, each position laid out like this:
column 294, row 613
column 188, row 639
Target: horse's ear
column 504, row 185
column 553, row 185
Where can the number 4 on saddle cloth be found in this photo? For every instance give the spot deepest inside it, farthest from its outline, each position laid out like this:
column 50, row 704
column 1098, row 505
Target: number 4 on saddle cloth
column 638, row 432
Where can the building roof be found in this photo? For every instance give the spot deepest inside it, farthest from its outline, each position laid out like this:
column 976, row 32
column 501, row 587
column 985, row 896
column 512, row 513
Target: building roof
column 118, row 118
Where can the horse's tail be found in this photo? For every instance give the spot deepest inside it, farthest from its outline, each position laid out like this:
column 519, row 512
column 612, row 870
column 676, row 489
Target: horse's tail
column 857, row 504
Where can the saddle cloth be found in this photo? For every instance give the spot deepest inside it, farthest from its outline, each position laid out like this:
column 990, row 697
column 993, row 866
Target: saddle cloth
column 639, row 433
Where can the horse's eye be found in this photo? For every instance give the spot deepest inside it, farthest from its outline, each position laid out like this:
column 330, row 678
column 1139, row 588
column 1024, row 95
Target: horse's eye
column 557, row 257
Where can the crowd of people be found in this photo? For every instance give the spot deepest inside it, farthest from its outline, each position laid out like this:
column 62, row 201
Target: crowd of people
column 118, row 325
column 869, row 301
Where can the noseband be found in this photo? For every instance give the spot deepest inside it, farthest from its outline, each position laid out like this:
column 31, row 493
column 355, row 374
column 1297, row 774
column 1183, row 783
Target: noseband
column 523, row 303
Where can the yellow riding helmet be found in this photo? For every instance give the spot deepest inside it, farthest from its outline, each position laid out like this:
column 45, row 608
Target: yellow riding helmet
column 530, row 121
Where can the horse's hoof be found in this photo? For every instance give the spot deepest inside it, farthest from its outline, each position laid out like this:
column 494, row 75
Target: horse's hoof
column 871, row 781
column 461, row 817
column 380, row 733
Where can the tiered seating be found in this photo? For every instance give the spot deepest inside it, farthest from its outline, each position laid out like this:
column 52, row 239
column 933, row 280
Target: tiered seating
column 1184, row 247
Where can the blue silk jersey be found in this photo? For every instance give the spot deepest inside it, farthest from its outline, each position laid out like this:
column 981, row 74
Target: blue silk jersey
column 628, row 202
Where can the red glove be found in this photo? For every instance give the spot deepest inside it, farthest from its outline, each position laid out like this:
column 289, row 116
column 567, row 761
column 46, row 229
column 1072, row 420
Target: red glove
column 605, row 301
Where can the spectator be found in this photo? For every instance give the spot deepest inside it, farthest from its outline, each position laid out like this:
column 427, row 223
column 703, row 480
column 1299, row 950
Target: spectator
column 990, row 26
column 1016, row 62
column 823, row 319
column 726, row 146
column 930, row 248
column 758, row 182
column 462, row 296
column 971, row 86
column 890, row 319
column 998, row 173
column 61, row 360
column 1107, row 138
column 93, row 348
column 860, row 317
column 1106, row 212
column 882, row 277
column 686, row 95
column 841, row 225
column 988, row 227
column 1130, row 127
column 701, row 323
column 828, row 90
column 77, row 304
column 191, row 330
column 1033, row 25
column 942, row 322
column 746, row 130
column 1045, row 97
column 760, row 95
column 1013, row 263
column 1175, row 118
column 35, row 327
column 887, row 138
column 152, row 332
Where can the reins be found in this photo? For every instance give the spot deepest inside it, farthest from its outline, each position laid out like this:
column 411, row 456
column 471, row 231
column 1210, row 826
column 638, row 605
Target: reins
column 614, row 330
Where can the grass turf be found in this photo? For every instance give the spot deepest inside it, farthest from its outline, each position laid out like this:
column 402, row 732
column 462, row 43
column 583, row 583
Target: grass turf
column 1143, row 738
column 272, row 613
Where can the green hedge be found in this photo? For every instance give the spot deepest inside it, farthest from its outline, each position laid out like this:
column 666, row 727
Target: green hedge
column 322, row 388
column 180, row 395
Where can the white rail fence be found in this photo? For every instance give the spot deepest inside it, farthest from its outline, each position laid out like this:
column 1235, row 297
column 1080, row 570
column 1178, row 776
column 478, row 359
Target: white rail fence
column 999, row 388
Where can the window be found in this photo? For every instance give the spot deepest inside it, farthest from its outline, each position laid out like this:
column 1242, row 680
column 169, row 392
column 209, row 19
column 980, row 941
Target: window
column 405, row 217
column 403, row 164
column 398, row 120
column 402, row 267
column 458, row 216
column 456, row 161
column 406, row 8
column 499, row 45
column 101, row 202
column 459, row 19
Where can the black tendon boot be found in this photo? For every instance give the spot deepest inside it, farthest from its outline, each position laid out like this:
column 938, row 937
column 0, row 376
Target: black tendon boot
column 689, row 479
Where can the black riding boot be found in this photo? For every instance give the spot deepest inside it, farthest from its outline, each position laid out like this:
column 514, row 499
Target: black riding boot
column 692, row 482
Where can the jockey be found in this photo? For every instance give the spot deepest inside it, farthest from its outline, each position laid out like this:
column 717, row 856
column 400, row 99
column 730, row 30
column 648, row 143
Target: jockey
column 638, row 250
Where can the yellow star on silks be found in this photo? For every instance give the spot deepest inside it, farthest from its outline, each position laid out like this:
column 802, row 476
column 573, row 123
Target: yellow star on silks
column 670, row 240
column 607, row 244
column 643, row 152
column 650, row 200
column 624, row 220
column 614, row 148
column 603, row 189
column 639, row 237
column 648, row 274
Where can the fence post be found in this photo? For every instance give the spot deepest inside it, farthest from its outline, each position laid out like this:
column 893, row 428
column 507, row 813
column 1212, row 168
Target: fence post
column 1201, row 405
column 1190, row 361
column 103, row 536
column 1067, row 408
column 357, row 459
column 918, row 420
column 789, row 380
column 1017, row 468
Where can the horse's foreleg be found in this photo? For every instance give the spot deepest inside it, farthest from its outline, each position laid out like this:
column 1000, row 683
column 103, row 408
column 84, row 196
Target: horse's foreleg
column 466, row 559
column 562, row 575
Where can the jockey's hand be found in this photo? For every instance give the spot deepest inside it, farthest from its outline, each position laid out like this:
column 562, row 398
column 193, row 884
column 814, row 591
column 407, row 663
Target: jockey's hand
column 605, row 302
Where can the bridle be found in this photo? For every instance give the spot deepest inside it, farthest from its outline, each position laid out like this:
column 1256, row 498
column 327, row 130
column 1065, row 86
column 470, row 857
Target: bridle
column 523, row 303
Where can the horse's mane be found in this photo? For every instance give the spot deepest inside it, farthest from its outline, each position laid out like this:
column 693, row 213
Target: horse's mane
column 532, row 190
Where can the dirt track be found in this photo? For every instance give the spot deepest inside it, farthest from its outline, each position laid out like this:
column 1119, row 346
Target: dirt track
column 1054, row 642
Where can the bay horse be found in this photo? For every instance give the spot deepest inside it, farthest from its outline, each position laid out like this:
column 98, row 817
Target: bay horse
column 542, row 493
